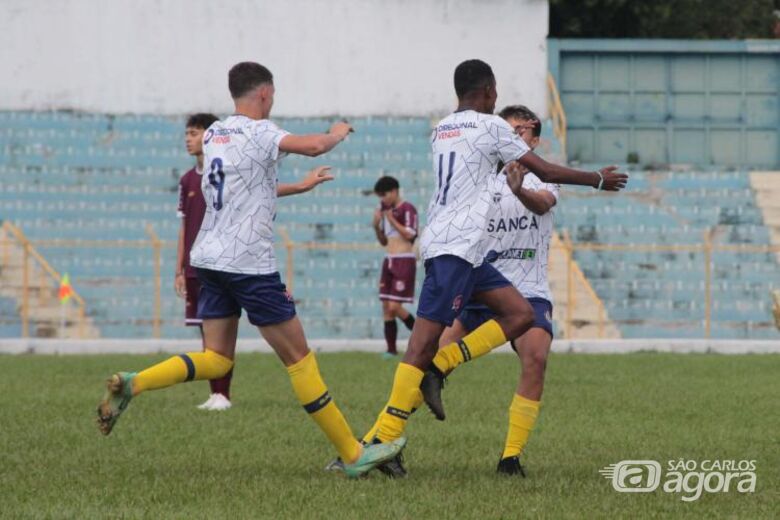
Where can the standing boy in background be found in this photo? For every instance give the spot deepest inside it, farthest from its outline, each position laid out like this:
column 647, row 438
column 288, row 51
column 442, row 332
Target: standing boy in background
column 395, row 225
column 192, row 207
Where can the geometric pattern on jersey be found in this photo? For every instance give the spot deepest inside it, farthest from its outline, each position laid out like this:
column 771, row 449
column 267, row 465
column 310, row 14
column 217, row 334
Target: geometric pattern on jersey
column 466, row 148
column 241, row 158
column 517, row 241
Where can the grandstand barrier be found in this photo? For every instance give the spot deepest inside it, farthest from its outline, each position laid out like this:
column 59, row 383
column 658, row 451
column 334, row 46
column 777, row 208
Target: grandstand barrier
column 699, row 291
column 559, row 346
column 20, row 262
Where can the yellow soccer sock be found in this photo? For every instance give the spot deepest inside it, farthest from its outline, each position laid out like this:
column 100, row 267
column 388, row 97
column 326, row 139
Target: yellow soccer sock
column 482, row 340
column 370, row 434
column 522, row 417
column 313, row 395
column 404, row 397
column 192, row 366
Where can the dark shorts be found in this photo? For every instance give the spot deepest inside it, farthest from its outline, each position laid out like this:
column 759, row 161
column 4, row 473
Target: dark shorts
column 475, row 315
column 396, row 283
column 263, row 296
column 191, row 302
column 450, row 283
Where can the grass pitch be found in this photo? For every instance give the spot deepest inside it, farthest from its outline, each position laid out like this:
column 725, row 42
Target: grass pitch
column 264, row 458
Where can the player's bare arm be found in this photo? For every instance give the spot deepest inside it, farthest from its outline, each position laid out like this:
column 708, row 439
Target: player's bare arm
column 405, row 233
column 538, row 201
column 312, row 179
column 315, row 144
column 607, row 179
column 377, row 225
column 179, row 282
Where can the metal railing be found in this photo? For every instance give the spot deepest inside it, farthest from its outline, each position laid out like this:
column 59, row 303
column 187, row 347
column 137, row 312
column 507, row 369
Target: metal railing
column 557, row 113
column 579, row 296
column 13, row 242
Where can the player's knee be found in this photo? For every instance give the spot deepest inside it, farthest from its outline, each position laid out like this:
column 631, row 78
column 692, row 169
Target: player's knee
column 535, row 362
column 521, row 319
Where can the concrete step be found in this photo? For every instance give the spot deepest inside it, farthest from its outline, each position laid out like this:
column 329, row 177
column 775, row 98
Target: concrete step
column 584, row 317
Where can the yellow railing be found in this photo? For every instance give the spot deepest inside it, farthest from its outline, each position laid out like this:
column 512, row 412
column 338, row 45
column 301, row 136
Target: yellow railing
column 574, row 276
column 557, row 113
column 12, row 237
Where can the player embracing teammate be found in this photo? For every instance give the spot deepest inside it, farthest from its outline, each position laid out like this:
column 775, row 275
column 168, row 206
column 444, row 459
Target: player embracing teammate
column 467, row 147
column 517, row 244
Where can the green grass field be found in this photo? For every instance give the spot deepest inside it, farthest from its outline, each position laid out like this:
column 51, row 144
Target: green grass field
column 264, row 458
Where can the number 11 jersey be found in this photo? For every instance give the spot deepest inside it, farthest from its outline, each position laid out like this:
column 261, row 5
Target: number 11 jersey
column 240, row 169
column 467, row 147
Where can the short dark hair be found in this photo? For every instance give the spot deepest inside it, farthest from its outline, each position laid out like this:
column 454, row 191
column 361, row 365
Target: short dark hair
column 472, row 75
column 385, row 184
column 202, row 120
column 247, row 76
column 525, row 113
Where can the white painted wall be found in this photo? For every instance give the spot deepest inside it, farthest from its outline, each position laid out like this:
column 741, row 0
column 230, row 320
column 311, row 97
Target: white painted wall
column 347, row 57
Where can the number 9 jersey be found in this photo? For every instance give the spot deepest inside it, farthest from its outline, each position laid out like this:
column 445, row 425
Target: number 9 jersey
column 240, row 163
column 467, row 147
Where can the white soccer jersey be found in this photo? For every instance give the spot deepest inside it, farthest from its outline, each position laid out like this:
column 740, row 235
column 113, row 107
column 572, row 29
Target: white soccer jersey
column 240, row 161
column 466, row 146
column 518, row 240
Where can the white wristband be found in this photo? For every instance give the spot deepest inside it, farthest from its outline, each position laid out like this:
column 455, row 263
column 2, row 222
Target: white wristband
column 601, row 179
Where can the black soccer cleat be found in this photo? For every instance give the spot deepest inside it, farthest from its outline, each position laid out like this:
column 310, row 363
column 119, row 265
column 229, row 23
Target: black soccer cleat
column 510, row 466
column 431, row 385
column 393, row 468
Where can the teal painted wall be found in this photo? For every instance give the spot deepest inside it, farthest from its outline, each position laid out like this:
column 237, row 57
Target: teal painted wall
column 670, row 101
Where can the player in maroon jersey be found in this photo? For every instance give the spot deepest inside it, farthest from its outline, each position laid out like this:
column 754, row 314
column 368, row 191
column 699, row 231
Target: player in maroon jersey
column 192, row 207
column 395, row 225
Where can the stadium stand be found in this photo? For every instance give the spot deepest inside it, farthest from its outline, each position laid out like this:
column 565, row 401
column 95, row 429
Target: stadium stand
column 73, row 180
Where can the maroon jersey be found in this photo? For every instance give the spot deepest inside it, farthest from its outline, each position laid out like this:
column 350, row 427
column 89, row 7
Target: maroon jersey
column 192, row 207
column 406, row 215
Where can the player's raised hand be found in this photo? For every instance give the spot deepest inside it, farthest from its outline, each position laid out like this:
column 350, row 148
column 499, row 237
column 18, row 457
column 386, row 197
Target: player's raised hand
column 515, row 173
column 341, row 129
column 315, row 177
column 612, row 180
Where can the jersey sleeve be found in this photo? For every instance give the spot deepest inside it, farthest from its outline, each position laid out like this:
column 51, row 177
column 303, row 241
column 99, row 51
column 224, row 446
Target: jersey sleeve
column 509, row 145
column 180, row 208
column 267, row 137
column 532, row 182
column 410, row 219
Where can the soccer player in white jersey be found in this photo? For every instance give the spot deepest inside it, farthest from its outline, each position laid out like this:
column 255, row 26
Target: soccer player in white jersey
column 518, row 245
column 234, row 257
column 467, row 146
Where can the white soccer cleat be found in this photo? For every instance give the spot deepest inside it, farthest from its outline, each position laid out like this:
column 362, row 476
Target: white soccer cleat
column 208, row 403
column 219, row 403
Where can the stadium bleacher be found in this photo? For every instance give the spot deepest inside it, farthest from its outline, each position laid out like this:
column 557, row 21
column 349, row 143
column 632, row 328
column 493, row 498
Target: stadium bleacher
column 77, row 176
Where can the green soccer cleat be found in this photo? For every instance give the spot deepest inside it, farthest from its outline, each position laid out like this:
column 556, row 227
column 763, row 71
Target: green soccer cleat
column 374, row 455
column 119, row 392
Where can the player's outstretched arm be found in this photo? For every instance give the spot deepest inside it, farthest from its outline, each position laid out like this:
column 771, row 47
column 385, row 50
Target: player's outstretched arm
column 538, row 201
column 606, row 179
column 314, row 178
column 315, row 144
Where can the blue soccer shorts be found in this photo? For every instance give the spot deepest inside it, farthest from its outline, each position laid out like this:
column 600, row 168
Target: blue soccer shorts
column 475, row 314
column 263, row 296
column 449, row 284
